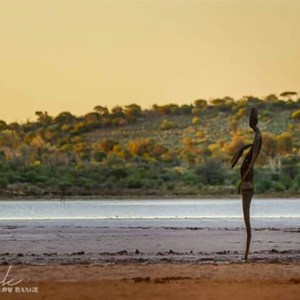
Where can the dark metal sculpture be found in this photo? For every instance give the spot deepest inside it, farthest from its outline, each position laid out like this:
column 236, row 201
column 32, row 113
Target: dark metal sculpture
column 246, row 185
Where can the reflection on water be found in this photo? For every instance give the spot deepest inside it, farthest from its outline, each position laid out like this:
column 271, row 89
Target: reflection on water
column 146, row 209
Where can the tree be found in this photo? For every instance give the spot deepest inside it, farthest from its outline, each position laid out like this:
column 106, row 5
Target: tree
column 271, row 98
column 91, row 122
column 285, row 143
column 270, row 147
column 168, row 109
column 9, row 142
column 288, row 94
column 235, row 144
column 200, row 103
column 101, row 110
column 91, row 117
column 216, row 152
column 43, row 117
column 186, row 109
column 3, row 125
column 64, row 118
column 15, row 127
column 224, row 104
column 133, row 112
column 117, row 112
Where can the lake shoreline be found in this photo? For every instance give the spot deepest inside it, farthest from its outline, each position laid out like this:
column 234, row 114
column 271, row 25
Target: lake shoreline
column 145, row 197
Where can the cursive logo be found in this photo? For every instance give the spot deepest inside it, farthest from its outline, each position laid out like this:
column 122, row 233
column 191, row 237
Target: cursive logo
column 11, row 282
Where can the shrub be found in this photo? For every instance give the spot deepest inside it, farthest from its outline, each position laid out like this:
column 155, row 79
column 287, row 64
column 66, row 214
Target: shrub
column 196, row 121
column 211, row 172
column 296, row 115
column 166, row 125
column 134, row 182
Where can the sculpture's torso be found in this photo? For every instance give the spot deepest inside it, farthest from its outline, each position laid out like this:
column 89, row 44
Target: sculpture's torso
column 248, row 180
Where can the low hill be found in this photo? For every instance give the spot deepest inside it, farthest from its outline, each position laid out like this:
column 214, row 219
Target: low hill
column 169, row 150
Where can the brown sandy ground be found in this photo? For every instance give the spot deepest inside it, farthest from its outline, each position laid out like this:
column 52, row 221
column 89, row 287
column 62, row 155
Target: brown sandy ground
column 158, row 281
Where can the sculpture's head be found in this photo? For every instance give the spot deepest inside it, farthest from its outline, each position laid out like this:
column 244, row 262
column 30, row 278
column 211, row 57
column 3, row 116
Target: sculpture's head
column 253, row 117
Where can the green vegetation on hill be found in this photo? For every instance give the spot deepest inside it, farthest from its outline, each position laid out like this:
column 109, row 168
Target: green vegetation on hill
column 166, row 150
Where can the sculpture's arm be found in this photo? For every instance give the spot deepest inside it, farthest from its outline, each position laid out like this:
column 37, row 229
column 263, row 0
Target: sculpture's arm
column 237, row 156
column 255, row 152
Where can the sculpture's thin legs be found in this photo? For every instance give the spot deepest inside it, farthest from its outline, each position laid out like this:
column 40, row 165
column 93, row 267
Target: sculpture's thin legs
column 247, row 196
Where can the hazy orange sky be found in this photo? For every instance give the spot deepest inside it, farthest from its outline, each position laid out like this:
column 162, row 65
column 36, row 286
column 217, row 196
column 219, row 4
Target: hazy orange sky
column 58, row 56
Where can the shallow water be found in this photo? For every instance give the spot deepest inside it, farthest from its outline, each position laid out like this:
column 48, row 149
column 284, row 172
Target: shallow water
column 275, row 209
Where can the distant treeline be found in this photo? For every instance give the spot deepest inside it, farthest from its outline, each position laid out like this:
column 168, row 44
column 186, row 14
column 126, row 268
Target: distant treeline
column 167, row 150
